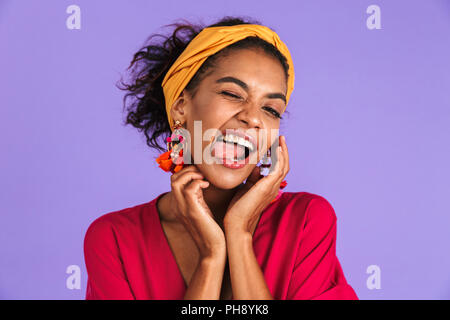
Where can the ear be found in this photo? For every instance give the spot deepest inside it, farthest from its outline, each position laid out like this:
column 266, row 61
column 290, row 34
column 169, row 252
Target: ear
column 180, row 107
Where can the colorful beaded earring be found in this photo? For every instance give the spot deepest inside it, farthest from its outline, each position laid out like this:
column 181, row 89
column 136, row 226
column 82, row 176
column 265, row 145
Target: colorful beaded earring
column 266, row 162
column 172, row 159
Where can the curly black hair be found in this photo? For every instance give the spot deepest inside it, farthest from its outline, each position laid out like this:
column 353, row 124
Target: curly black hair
column 147, row 111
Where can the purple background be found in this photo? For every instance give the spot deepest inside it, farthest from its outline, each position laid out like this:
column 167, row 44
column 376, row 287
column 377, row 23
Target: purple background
column 368, row 130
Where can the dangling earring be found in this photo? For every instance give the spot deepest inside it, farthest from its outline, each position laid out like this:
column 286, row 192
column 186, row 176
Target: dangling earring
column 266, row 162
column 172, row 159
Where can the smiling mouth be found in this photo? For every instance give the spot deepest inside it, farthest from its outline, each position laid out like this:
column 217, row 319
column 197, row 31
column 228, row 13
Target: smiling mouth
column 231, row 148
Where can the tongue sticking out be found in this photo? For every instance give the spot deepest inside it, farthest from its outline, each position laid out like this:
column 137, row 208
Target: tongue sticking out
column 227, row 150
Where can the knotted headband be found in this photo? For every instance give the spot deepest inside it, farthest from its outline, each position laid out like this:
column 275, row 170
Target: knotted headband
column 209, row 41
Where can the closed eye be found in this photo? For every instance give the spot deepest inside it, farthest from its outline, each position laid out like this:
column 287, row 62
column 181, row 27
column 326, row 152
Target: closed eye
column 269, row 109
column 226, row 93
column 274, row 112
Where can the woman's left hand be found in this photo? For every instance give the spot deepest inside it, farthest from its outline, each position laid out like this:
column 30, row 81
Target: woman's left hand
column 258, row 191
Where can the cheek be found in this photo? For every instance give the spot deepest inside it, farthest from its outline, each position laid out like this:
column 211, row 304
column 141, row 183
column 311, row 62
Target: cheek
column 215, row 116
column 215, row 112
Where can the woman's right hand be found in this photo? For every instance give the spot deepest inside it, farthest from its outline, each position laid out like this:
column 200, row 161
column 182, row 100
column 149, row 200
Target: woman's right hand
column 193, row 212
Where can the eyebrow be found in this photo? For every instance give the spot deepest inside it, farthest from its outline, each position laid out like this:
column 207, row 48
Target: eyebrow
column 244, row 86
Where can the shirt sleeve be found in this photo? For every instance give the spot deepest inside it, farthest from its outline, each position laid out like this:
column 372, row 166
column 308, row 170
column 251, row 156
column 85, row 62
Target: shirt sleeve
column 317, row 274
column 106, row 276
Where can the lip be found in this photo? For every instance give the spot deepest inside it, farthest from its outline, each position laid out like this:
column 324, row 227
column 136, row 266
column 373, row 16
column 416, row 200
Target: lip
column 240, row 163
column 231, row 164
column 234, row 165
column 242, row 134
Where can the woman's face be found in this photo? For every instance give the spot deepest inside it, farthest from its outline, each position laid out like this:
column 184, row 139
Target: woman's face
column 246, row 92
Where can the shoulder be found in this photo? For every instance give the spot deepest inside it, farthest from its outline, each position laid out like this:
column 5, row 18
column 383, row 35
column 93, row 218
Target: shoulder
column 316, row 227
column 314, row 208
column 112, row 226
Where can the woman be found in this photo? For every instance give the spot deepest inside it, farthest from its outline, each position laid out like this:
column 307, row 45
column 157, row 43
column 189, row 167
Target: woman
column 224, row 231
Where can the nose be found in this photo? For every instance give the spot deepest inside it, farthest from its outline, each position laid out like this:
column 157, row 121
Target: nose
column 250, row 117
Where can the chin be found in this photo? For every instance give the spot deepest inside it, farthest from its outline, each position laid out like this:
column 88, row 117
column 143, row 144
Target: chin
column 224, row 178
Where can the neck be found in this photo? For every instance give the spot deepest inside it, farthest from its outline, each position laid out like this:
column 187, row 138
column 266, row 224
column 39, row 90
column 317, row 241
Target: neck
column 217, row 200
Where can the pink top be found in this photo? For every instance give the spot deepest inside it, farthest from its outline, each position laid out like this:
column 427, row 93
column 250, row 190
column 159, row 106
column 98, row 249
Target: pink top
column 128, row 256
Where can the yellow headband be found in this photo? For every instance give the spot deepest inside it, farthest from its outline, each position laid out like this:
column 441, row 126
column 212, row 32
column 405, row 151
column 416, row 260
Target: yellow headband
column 209, row 41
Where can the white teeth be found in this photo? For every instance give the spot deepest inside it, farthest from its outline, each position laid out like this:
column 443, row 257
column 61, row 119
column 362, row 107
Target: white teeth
column 236, row 139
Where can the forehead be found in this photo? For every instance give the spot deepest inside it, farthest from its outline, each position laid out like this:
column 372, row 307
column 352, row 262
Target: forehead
column 253, row 66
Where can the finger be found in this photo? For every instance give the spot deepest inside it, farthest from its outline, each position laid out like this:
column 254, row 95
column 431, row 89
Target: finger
column 281, row 161
column 285, row 155
column 196, row 185
column 281, row 157
column 194, row 194
column 279, row 172
column 182, row 181
column 190, row 168
column 276, row 173
column 182, row 177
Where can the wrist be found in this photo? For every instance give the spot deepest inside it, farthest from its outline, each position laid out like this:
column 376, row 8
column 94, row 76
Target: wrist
column 237, row 234
column 236, row 228
column 214, row 255
column 233, row 226
column 213, row 261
